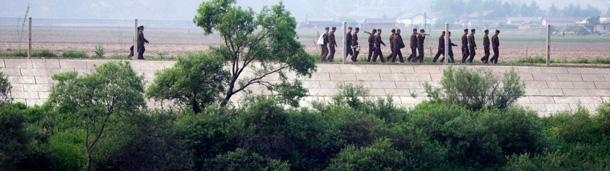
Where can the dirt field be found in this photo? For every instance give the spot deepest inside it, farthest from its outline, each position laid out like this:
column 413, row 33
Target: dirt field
column 177, row 42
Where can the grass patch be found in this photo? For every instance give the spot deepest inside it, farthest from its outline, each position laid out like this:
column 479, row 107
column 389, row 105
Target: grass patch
column 117, row 56
column 541, row 60
column 44, row 53
column 15, row 54
column 74, row 54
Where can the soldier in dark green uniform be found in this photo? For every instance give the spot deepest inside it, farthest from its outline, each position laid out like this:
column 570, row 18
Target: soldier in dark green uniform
column 398, row 44
column 451, row 44
column 392, row 44
column 413, row 46
column 486, row 44
column 371, row 44
column 348, row 42
column 472, row 45
column 495, row 44
column 324, row 45
column 441, row 47
column 378, row 43
column 420, row 45
column 332, row 44
column 141, row 41
column 465, row 51
column 355, row 46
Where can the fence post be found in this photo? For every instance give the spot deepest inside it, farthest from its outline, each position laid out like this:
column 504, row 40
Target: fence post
column 29, row 37
column 135, row 39
column 345, row 42
column 548, row 45
column 447, row 43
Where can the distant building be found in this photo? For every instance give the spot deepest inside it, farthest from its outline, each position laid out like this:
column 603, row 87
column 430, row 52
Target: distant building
column 412, row 20
column 376, row 23
column 523, row 23
column 560, row 21
column 604, row 25
column 319, row 22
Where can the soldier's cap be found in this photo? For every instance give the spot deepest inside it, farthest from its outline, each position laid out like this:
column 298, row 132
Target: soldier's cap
column 422, row 30
column 326, row 28
column 465, row 30
column 449, row 32
column 357, row 28
column 334, row 28
column 497, row 31
column 393, row 30
column 378, row 29
column 414, row 29
column 397, row 29
column 349, row 28
column 443, row 32
column 473, row 30
column 140, row 27
column 486, row 31
column 374, row 30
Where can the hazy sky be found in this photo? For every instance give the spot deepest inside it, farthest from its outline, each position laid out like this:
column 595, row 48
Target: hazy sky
column 185, row 9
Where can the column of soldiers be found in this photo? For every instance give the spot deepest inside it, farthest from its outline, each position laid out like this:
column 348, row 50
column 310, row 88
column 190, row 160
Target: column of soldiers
column 469, row 46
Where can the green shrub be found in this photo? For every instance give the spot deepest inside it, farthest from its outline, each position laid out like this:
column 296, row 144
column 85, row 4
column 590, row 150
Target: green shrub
column 44, row 53
column 13, row 138
column 517, row 130
column 241, row 159
column 15, row 54
column 378, row 156
column 99, row 51
column 549, row 161
column 74, row 54
column 5, row 90
column 119, row 57
column 67, row 150
column 477, row 88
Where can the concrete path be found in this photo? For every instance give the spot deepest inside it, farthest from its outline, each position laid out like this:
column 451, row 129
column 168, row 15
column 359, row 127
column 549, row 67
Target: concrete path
column 548, row 89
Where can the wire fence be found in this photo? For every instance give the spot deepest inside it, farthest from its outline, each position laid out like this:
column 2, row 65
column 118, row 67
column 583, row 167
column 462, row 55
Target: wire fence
column 525, row 43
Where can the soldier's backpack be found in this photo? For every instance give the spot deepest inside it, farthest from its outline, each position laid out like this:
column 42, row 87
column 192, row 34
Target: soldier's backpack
column 321, row 40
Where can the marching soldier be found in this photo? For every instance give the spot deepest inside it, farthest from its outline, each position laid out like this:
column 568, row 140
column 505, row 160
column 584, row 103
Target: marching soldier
column 472, row 45
column 486, row 43
column 348, row 42
column 465, row 52
column 324, row 45
column 441, row 47
column 398, row 44
column 495, row 45
column 355, row 47
column 332, row 45
column 413, row 46
column 451, row 44
column 378, row 43
column 392, row 44
column 371, row 44
column 420, row 45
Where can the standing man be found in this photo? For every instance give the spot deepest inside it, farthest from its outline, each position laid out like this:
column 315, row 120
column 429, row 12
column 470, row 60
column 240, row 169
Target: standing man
column 465, row 53
column 451, row 44
column 391, row 39
column 420, row 45
column 332, row 45
column 141, row 41
column 486, row 44
column 355, row 46
column 398, row 44
column 348, row 42
column 413, row 46
column 441, row 47
column 324, row 45
column 378, row 43
column 371, row 44
column 472, row 45
column 495, row 45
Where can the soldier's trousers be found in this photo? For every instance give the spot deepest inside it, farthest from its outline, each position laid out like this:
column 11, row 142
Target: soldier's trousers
column 450, row 59
column 141, row 52
column 392, row 53
column 485, row 58
column 349, row 51
column 465, row 54
column 472, row 53
column 324, row 53
column 413, row 54
column 438, row 54
column 397, row 52
column 331, row 57
column 494, row 59
column 379, row 54
column 420, row 57
column 371, row 52
column 355, row 55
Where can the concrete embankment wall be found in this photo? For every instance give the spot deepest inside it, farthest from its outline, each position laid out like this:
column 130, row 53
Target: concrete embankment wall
column 549, row 89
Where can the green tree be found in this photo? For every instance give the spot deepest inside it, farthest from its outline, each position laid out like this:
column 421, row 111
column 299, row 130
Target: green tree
column 591, row 23
column 193, row 81
column 112, row 88
column 272, row 49
column 13, row 138
column 5, row 90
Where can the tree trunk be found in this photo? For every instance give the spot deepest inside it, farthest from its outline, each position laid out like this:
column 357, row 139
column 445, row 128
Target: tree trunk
column 88, row 161
column 195, row 106
column 229, row 91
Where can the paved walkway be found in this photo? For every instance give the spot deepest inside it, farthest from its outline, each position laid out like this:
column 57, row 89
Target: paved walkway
column 548, row 89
